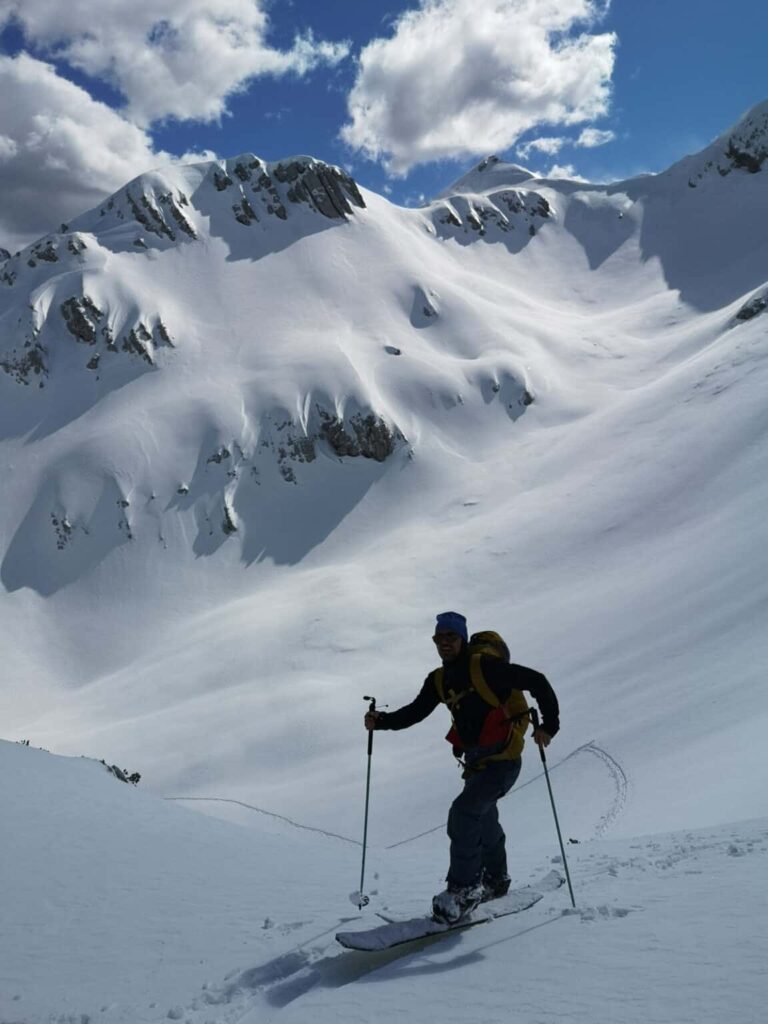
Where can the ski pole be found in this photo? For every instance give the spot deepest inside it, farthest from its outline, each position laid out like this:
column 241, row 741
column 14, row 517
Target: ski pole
column 535, row 718
column 363, row 900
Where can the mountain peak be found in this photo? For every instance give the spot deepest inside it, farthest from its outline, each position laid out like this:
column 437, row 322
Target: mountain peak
column 490, row 173
column 742, row 148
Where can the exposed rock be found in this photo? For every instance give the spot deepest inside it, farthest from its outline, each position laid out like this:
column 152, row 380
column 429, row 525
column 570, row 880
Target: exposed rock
column 23, row 366
column 328, row 189
column 219, row 456
column 750, row 161
column 372, row 437
column 165, row 337
column 488, row 162
column 46, row 252
column 63, row 530
column 501, row 211
column 746, row 149
column 150, row 217
column 229, row 523
column 138, row 340
column 244, row 212
column 753, row 308
column 176, row 213
column 4, row 255
column 221, row 181
column 81, row 317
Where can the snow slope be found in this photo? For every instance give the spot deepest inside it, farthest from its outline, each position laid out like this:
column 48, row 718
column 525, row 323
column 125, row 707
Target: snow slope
column 120, row 908
column 541, row 403
column 282, row 423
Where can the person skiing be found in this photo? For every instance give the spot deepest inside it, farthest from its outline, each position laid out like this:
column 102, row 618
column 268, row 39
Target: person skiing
column 482, row 690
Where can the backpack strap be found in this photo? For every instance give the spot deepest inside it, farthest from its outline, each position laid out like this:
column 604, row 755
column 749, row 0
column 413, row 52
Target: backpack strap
column 484, row 691
column 479, row 684
column 438, row 677
column 451, row 698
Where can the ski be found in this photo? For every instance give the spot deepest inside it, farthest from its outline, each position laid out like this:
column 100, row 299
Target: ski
column 397, row 932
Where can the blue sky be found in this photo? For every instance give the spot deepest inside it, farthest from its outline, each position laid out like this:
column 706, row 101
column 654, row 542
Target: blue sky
column 406, row 96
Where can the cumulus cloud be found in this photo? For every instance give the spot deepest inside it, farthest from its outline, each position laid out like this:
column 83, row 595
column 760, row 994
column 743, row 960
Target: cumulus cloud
column 61, row 152
column 546, row 144
column 462, row 77
column 567, row 171
column 169, row 58
column 589, row 138
column 592, row 137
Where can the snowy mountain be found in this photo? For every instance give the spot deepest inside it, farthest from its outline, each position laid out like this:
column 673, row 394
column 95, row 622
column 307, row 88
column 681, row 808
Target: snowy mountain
column 120, row 908
column 257, row 425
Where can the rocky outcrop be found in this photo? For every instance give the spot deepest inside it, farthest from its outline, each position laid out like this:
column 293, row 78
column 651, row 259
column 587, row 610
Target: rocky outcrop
column 152, row 212
column 494, row 215
column 4, row 255
column 89, row 325
column 82, row 318
column 360, row 435
column 262, row 190
column 364, row 435
column 744, row 149
column 754, row 307
column 27, row 364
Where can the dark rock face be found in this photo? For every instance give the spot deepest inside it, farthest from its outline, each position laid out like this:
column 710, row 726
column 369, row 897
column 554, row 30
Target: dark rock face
column 152, row 216
column 271, row 190
column 370, row 436
column 82, row 318
column 4, row 255
column 751, row 162
column 86, row 323
column 753, row 308
column 745, row 150
column 27, row 364
column 493, row 215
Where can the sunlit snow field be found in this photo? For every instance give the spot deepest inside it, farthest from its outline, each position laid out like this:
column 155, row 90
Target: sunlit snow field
column 613, row 531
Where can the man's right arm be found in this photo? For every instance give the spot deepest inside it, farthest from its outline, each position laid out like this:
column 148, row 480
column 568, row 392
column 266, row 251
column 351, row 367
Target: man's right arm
column 425, row 703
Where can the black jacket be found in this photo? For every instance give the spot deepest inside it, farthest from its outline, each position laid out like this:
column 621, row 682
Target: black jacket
column 470, row 712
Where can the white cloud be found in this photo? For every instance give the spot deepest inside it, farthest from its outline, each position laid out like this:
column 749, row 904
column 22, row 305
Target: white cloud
column 8, row 149
column 462, row 77
column 61, row 152
column 178, row 58
column 564, row 171
column 592, row 137
column 546, row 144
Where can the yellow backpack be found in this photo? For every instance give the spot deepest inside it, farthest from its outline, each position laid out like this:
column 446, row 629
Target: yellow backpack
column 503, row 734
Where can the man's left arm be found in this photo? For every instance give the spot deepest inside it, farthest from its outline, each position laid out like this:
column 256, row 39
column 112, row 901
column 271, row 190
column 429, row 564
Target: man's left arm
column 540, row 689
column 518, row 677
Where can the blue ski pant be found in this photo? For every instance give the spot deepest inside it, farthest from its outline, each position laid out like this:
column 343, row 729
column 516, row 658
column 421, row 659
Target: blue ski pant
column 478, row 843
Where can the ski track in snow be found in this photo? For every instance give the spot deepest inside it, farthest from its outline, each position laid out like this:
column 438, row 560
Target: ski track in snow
column 248, row 996
column 616, row 771
column 622, row 786
column 314, row 963
column 617, row 774
column 270, row 814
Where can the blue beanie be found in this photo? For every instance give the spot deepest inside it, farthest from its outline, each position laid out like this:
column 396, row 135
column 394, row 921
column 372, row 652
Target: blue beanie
column 452, row 622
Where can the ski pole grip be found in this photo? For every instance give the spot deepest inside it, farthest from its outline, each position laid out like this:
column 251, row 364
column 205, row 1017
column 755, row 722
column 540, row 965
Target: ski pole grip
column 371, row 708
column 536, row 724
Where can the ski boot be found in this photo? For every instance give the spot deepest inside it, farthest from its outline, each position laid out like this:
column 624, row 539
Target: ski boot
column 455, row 902
column 494, row 888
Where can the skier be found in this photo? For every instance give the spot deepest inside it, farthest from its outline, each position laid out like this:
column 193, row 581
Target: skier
column 482, row 691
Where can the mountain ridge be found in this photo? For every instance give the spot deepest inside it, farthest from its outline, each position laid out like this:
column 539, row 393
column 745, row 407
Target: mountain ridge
column 572, row 429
